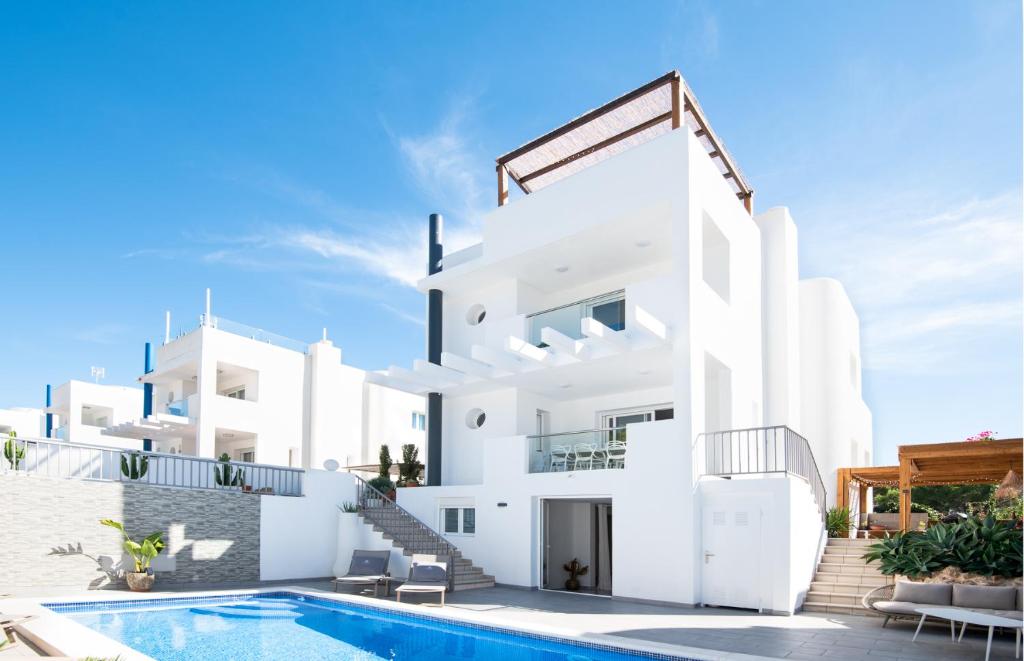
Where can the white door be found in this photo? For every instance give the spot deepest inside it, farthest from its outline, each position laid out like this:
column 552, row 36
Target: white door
column 731, row 561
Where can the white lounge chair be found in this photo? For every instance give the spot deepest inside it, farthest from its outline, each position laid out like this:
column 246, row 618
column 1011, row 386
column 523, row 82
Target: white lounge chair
column 426, row 574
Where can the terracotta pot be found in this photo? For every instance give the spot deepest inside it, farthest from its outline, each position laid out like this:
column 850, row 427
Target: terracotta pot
column 572, row 584
column 876, row 528
column 390, row 495
column 412, row 484
column 139, row 581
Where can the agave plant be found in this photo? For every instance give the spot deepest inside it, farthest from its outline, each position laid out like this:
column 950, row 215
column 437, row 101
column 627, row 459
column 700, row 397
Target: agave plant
column 977, row 546
column 838, row 522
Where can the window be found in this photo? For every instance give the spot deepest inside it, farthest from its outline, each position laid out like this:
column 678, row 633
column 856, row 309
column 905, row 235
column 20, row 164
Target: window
column 237, row 393
column 618, row 421
column 458, row 520
column 247, row 455
column 419, row 420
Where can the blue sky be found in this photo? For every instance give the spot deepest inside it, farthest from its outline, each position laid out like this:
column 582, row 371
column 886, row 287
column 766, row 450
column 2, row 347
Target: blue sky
column 287, row 155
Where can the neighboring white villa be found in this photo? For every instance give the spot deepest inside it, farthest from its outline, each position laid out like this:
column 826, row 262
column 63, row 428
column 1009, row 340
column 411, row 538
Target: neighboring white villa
column 225, row 387
column 582, row 354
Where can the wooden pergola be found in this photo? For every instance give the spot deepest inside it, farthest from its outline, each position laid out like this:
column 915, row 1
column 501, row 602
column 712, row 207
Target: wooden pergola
column 662, row 105
column 982, row 462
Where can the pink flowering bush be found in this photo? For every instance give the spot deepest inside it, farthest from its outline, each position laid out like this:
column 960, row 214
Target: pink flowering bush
column 981, row 436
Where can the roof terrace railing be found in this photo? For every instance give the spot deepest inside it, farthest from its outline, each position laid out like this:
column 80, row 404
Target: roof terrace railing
column 53, row 458
column 759, row 450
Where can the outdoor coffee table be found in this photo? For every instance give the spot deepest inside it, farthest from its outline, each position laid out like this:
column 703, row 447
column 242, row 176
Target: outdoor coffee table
column 966, row 616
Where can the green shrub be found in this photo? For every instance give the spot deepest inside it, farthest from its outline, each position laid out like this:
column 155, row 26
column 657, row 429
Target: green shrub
column 382, row 484
column 837, row 522
column 410, row 468
column 987, row 547
column 384, row 457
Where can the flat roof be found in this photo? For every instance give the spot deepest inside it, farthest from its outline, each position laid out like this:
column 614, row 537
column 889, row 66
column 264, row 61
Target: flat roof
column 637, row 117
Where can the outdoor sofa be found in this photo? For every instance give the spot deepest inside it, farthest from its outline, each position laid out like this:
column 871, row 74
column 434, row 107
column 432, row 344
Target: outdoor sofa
column 900, row 599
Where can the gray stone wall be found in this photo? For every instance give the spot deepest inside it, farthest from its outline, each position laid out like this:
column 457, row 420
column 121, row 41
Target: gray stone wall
column 50, row 534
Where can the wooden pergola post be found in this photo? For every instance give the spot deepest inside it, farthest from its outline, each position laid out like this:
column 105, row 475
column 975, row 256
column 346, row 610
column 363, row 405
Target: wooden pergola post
column 904, row 487
column 843, row 487
column 677, row 104
column 502, row 184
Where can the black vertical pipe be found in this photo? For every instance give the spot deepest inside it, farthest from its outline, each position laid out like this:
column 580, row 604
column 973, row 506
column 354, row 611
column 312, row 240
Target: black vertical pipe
column 434, row 328
column 147, row 394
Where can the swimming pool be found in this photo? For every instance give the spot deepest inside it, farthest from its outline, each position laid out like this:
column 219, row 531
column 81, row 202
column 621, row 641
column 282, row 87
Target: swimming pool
column 284, row 625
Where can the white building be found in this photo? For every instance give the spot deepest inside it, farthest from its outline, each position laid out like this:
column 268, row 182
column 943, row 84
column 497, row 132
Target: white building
column 583, row 353
column 23, row 421
column 82, row 411
column 228, row 388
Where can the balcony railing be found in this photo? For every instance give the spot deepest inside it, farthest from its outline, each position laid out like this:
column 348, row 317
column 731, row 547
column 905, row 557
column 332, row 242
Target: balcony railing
column 592, row 449
column 50, row 458
column 254, row 333
column 178, row 407
column 759, row 450
column 609, row 309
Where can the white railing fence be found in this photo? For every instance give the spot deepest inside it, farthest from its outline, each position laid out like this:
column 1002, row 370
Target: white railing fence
column 53, row 458
column 758, row 450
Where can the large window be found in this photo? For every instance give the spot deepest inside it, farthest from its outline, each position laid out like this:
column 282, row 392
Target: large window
column 618, row 420
column 458, row 520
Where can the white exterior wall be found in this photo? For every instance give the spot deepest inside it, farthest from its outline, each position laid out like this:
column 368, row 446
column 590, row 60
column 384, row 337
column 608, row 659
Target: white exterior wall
column 387, row 419
column 125, row 404
column 836, row 421
column 22, row 421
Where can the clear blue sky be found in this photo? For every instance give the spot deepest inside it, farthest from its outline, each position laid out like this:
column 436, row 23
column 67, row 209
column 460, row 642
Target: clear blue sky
column 287, row 155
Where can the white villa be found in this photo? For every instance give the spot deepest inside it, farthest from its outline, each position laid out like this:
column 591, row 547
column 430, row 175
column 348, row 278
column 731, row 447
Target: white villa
column 625, row 369
column 224, row 387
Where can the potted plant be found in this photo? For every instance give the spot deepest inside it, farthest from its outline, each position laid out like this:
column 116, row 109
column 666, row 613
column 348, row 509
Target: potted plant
column 575, row 569
column 140, row 580
column 382, row 482
column 410, row 468
column 134, row 465
column 837, row 522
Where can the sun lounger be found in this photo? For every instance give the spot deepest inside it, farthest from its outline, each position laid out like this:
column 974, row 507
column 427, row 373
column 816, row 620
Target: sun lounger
column 367, row 568
column 426, row 575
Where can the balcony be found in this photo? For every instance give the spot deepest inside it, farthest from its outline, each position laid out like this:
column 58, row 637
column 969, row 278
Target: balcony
column 608, row 309
column 592, row 449
column 178, row 407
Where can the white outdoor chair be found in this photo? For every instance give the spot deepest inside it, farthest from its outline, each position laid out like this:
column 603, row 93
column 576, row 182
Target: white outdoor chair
column 584, row 456
column 616, row 452
column 559, row 458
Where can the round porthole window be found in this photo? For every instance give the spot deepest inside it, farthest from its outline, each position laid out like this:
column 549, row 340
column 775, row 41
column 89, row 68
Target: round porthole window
column 475, row 314
column 475, row 418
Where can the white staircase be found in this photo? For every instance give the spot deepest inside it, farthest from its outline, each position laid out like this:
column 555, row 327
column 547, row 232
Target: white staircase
column 843, row 578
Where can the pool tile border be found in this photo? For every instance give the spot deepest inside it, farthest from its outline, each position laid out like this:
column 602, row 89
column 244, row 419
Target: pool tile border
column 66, row 607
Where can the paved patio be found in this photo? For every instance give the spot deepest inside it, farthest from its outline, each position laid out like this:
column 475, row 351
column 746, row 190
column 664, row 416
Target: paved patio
column 724, row 633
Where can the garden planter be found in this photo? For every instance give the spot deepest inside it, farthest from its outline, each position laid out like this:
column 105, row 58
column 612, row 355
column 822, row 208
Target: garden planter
column 139, row 581
column 412, row 484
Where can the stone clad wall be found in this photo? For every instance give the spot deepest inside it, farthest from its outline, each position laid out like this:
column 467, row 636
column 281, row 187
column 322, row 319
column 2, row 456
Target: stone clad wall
column 50, row 533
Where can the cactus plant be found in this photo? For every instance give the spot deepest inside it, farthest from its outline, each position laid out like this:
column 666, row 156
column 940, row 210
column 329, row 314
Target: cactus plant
column 14, row 452
column 225, row 476
column 575, row 569
column 134, row 465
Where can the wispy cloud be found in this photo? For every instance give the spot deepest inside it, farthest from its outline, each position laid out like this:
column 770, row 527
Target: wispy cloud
column 402, row 314
column 110, row 333
column 925, row 285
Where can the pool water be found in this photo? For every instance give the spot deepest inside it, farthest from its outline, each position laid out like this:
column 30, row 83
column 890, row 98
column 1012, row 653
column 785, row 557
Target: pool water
column 290, row 626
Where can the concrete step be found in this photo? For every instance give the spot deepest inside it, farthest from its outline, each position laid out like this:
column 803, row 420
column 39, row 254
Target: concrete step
column 812, row 606
column 484, row 582
column 853, row 587
column 835, row 598
column 840, row 559
column 851, row 579
column 834, row 542
column 850, row 569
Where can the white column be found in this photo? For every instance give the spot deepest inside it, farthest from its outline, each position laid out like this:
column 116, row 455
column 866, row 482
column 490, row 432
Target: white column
column 206, row 383
column 780, row 313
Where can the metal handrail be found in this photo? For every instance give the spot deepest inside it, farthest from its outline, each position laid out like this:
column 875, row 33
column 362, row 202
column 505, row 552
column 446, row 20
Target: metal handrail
column 53, row 458
column 422, row 538
column 580, row 431
column 760, row 450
